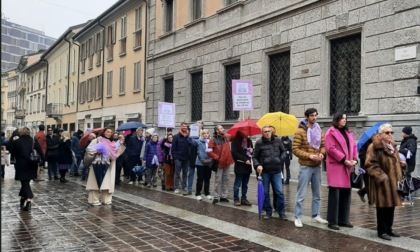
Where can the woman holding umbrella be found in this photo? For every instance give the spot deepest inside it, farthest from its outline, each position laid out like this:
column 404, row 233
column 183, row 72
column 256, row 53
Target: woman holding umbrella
column 102, row 174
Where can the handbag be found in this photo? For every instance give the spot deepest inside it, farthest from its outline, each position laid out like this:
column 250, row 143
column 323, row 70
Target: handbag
column 34, row 156
column 356, row 180
column 88, row 159
column 207, row 162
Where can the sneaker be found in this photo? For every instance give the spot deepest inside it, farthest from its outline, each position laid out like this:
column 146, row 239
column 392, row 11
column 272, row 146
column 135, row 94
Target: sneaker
column 199, row 197
column 298, row 223
column 319, row 220
column 215, row 201
column 176, row 191
column 130, row 183
column 237, row 203
column 187, row 193
column 209, row 197
column 245, row 202
column 267, row 217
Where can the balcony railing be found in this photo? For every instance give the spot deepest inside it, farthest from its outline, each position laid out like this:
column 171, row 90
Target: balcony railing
column 54, row 109
column 20, row 114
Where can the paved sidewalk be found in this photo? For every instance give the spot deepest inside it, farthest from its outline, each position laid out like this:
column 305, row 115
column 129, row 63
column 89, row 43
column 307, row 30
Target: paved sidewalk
column 142, row 219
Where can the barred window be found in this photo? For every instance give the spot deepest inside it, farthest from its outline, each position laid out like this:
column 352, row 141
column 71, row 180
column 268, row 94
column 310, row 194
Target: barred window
column 169, row 90
column 279, row 95
column 345, row 75
column 196, row 96
column 232, row 72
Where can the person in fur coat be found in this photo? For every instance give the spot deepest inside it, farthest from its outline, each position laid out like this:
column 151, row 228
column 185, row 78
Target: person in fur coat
column 383, row 165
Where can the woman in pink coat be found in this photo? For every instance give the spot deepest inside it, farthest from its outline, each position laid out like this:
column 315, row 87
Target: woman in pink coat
column 341, row 158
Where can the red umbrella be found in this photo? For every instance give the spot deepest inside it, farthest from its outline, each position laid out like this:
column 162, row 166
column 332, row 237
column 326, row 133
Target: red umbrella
column 84, row 140
column 248, row 128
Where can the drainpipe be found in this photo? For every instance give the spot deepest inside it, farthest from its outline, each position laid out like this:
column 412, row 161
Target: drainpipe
column 145, row 65
column 46, row 85
column 68, row 73
column 103, row 63
column 78, row 76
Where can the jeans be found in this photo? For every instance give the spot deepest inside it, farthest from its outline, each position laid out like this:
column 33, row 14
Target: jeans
column 181, row 165
column 191, row 172
column 308, row 175
column 339, row 200
column 286, row 164
column 241, row 180
column 275, row 180
column 52, row 169
column 75, row 168
column 151, row 175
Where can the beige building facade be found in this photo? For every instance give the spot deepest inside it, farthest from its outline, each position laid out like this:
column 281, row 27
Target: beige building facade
column 62, row 57
column 112, row 67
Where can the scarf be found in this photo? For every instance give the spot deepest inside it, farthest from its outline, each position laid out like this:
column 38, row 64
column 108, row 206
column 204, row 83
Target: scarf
column 313, row 135
column 389, row 146
column 169, row 145
column 108, row 148
column 184, row 134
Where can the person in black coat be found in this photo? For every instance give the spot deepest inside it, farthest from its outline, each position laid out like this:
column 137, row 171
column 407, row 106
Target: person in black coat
column 409, row 144
column 241, row 148
column 287, row 143
column 52, row 153
column 21, row 147
column 362, row 156
column 66, row 156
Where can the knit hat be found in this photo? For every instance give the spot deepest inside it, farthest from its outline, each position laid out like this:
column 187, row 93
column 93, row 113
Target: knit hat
column 150, row 131
column 407, row 130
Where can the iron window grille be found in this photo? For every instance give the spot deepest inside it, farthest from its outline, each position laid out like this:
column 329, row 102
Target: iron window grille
column 279, row 95
column 169, row 90
column 232, row 72
column 345, row 75
column 196, row 96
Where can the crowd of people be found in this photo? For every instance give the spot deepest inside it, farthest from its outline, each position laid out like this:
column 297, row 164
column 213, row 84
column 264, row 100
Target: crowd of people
column 140, row 157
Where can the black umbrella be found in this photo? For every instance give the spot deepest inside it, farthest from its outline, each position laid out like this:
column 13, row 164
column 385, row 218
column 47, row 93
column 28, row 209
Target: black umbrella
column 131, row 125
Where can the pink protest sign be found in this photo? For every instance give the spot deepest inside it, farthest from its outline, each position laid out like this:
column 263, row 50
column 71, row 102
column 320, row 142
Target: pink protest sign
column 242, row 95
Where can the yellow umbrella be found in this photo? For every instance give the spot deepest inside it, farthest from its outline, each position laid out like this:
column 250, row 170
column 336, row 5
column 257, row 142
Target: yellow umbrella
column 285, row 124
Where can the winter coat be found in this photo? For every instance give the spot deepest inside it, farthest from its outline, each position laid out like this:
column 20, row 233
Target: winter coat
column 161, row 153
column 52, row 148
column 64, row 150
column 409, row 144
column 338, row 175
column 287, row 143
column 201, row 151
column 303, row 150
column 219, row 154
column 21, row 148
column 149, row 153
column 180, row 147
column 240, row 156
column 78, row 152
column 109, row 180
column 384, row 169
column 192, row 155
column 362, row 153
column 164, row 152
column 134, row 145
column 270, row 154
column 42, row 140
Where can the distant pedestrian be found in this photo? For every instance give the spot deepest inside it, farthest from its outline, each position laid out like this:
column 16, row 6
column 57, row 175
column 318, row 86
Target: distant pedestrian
column 408, row 148
column 191, row 161
column 26, row 170
column 242, row 149
column 52, row 153
column 4, row 160
column 152, row 161
column 65, row 161
column 287, row 143
column 85, row 167
column 221, row 153
column 78, row 152
column 165, row 155
column 119, row 163
column 134, row 148
column 362, row 156
column 41, row 137
column 180, row 151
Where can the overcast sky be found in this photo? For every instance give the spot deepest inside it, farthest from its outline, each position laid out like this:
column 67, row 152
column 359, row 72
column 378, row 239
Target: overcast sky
column 53, row 16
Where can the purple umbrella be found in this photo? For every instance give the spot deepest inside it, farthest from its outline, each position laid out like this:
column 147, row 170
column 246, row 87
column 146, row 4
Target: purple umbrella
column 261, row 195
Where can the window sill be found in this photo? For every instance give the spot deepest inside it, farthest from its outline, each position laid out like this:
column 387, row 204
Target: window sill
column 90, row 68
column 122, row 54
column 121, row 94
column 109, row 96
column 137, row 91
column 97, row 99
column 136, row 48
column 230, row 6
column 167, row 34
column 98, row 64
column 110, row 59
column 196, row 21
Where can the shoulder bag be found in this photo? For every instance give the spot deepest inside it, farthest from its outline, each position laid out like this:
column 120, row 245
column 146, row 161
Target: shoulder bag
column 34, row 156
